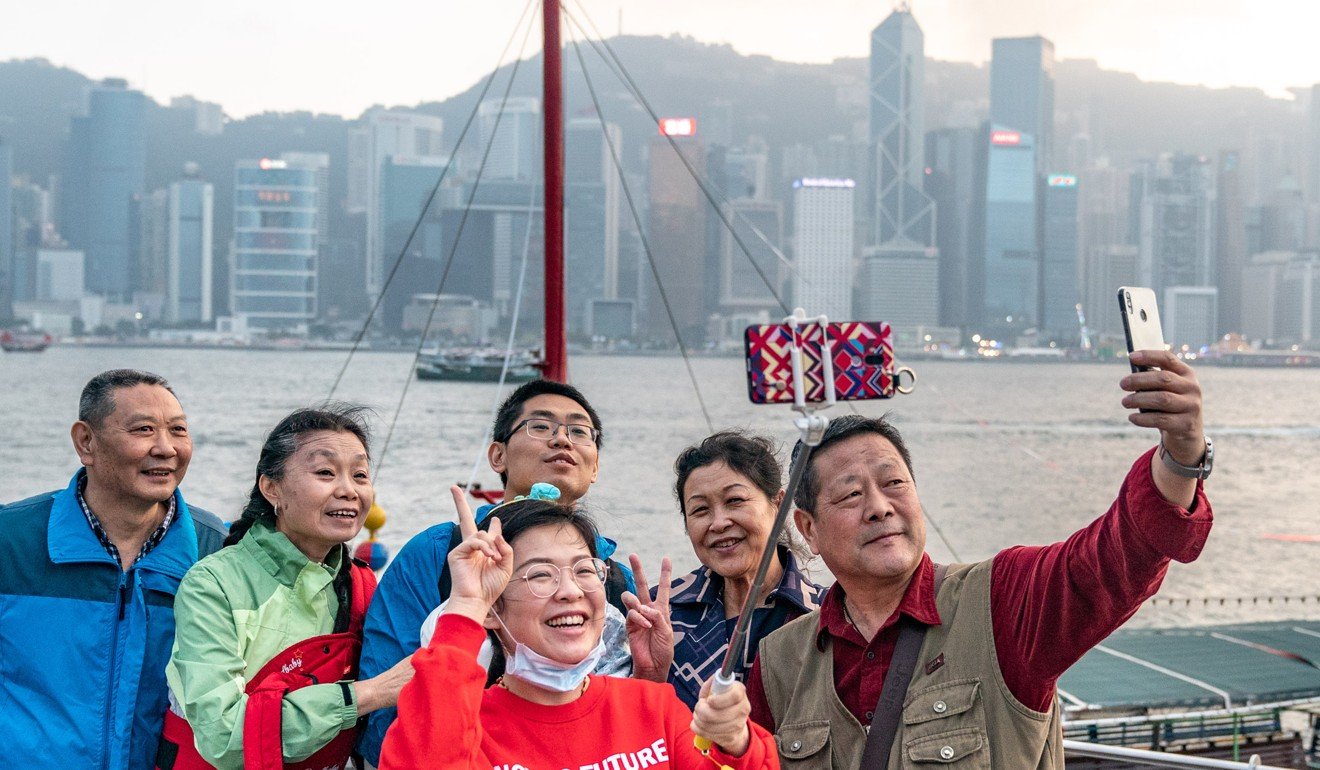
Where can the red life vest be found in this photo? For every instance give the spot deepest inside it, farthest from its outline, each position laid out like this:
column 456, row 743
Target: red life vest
column 318, row 660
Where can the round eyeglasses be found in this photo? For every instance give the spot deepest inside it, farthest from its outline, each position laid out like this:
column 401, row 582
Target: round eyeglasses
column 544, row 430
column 543, row 579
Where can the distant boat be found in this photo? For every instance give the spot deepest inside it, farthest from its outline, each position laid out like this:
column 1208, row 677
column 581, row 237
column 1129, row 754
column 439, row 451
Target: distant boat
column 478, row 365
column 24, row 342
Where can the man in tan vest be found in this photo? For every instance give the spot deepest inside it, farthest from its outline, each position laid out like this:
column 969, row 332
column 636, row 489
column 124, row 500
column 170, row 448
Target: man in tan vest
column 986, row 642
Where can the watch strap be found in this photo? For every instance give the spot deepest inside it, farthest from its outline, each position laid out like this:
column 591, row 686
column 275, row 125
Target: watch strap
column 1201, row 471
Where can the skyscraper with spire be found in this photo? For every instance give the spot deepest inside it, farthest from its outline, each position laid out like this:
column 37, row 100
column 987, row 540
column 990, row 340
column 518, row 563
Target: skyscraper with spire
column 903, row 213
column 902, row 241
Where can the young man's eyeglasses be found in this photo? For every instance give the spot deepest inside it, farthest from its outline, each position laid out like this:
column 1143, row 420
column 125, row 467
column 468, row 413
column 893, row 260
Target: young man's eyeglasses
column 543, row 579
column 544, row 430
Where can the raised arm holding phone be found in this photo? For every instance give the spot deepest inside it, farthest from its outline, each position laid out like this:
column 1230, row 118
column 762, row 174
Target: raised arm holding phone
column 958, row 663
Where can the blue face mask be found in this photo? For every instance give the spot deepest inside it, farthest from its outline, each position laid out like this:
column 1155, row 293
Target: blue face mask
column 534, row 668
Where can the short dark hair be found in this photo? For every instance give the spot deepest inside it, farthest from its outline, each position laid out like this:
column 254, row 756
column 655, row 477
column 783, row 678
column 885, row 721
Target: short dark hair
column 281, row 444
column 520, row 516
column 97, row 401
column 507, row 416
column 841, row 429
column 747, row 454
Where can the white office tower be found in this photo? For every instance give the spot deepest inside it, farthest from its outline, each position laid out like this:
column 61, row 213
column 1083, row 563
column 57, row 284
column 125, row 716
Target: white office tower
column 823, row 255
column 379, row 135
column 901, row 286
column 274, row 271
column 515, row 134
column 191, row 250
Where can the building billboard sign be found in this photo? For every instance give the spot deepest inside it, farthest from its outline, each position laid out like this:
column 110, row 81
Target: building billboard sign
column 678, row 126
column 1061, row 180
column 1004, row 137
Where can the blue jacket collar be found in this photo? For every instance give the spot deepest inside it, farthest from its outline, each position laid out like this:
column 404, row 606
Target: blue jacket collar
column 69, row 538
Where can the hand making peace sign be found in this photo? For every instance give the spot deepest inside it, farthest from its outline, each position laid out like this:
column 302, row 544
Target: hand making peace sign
column 650, row 634
column 481, row 566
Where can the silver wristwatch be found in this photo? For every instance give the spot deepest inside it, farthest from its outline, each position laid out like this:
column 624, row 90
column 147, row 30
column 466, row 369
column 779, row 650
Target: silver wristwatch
column 1201, row 471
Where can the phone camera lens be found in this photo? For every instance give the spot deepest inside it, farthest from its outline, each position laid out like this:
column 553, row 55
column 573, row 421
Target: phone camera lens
column 1143, row 314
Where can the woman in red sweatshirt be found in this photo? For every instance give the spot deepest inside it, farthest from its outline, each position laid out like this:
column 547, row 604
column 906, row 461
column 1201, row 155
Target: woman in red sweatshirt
column 532, row 576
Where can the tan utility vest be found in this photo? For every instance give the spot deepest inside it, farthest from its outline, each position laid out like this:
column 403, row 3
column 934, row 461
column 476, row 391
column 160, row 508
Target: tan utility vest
column 958, row 713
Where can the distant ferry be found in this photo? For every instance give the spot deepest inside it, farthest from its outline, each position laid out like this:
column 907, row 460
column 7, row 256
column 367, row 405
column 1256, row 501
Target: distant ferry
column 24, row 342
column 478, row 365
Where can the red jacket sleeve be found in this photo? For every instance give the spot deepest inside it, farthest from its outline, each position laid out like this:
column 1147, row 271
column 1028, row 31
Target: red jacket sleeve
column 448, row 681
column 1051, row 604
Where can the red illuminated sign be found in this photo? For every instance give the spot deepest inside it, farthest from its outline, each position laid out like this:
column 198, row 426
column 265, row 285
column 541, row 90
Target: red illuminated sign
column 678, row 126
column 1004, row 137
column 274, row 196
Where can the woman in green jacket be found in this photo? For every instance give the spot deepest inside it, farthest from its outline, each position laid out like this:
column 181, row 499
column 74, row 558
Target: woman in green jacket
column 243, row 614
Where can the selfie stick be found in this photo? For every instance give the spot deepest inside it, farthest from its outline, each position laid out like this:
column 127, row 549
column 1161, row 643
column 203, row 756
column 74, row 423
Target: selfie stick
column 811, row 428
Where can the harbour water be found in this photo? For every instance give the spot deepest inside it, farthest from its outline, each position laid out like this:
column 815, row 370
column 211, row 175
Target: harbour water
column 1004, row 453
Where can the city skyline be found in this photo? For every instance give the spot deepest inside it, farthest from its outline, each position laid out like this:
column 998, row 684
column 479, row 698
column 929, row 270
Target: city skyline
column 344, row 61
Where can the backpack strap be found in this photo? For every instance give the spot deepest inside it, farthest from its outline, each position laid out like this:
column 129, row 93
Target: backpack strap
column 884, row 727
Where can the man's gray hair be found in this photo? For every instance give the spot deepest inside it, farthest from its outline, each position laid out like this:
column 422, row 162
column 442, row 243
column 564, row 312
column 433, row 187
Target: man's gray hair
column 98, row 395
column 842, row 428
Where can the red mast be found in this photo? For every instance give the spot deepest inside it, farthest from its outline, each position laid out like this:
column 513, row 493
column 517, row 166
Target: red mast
column 552, row 104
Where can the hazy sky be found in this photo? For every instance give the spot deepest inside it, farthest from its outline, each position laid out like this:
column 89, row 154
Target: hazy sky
column 341, row 56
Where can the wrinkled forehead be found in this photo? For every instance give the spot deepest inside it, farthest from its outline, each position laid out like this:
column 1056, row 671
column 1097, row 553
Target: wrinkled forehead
column 863, row 453
column 141, row 401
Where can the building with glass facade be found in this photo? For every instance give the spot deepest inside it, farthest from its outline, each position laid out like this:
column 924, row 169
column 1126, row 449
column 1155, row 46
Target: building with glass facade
column 191, row 252
column 1059, row 266
column 591, row 218
column 514, row 138
column 1022, row 92
column 274, row 267
column 823, row 246
column 105, row 166
column 1011, row 265
column 903, row 215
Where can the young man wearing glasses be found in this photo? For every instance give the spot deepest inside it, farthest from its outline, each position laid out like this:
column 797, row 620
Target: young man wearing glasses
column 544, row 432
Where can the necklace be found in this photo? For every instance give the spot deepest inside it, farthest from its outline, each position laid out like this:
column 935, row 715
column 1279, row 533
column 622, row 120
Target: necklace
column 585, row 684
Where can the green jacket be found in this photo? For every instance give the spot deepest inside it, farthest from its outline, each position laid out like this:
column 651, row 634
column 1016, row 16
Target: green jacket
column 233, row 612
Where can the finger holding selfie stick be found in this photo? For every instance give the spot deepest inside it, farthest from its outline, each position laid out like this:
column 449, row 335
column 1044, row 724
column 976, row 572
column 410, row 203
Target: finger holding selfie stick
column 480, row 567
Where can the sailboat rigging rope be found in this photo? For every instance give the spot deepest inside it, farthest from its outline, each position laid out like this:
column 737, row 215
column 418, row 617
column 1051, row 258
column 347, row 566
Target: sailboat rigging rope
column 449, row 262
column 394, row 269
column 616, row 65
column 508, row 348
column 641, row 231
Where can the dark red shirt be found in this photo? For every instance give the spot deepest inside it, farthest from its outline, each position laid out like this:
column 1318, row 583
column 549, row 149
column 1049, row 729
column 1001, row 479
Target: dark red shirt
column 1049, row 604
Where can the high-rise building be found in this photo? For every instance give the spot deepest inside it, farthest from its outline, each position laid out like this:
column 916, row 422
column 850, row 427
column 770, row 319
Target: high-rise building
column 955, row 157
column 150, row 243
column 1313, row 150
column 742, row 284
column 1175, row 198
column 1105, row 269
column 899, row 287
column 823, row 246
column 1230, row 241
column 1281, row 298
column 191, row 249
column 1010, row 234
column 514, row 138
column 591, row 218
column 105, row 166
column 405, row 185
column 903, row 215
column 1022, row 92
column 1189, row 316
column 274, row 269
column 8, row 243
column 381, row 134
column 60, row 276
column 676, row 233
column 1059, row 267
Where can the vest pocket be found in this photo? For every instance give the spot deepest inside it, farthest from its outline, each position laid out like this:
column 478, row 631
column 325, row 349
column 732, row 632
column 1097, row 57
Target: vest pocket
column 963, row 749
column 804, row 745
column 941, row 701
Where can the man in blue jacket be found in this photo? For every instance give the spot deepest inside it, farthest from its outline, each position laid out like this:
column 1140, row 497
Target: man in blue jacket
column 544, row 431
column 87, row 582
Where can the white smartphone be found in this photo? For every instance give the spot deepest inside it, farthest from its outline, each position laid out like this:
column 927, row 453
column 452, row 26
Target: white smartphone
column 1141, row 321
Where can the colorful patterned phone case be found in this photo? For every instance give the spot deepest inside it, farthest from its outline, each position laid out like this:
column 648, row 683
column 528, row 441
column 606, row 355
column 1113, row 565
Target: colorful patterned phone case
column 863, row 356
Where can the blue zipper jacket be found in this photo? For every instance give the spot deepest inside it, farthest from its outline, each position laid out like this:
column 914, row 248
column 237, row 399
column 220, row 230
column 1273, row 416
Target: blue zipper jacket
column 83, row 644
